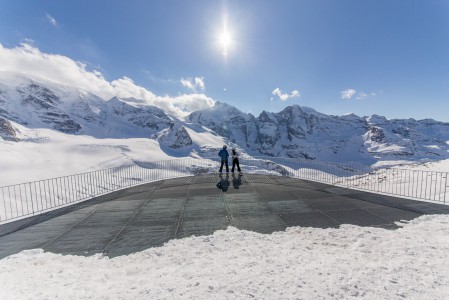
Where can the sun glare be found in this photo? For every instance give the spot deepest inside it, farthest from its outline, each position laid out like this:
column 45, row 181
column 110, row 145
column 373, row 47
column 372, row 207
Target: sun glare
column 225, row 38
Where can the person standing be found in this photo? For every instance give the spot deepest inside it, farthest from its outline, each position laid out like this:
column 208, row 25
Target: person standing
column 223, row 153
column 235, row 161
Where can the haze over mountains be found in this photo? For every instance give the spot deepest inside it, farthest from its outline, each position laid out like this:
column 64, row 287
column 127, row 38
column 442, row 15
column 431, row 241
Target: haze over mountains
column 296, row 131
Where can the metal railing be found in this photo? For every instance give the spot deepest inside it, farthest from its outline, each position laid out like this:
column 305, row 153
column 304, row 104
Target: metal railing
column 26, row 199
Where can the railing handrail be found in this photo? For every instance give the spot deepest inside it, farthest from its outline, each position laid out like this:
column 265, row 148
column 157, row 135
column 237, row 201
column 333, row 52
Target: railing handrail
column 241, row 158
column 46, row 194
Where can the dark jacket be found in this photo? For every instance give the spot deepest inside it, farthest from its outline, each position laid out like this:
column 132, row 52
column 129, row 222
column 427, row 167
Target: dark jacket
column 223, row 154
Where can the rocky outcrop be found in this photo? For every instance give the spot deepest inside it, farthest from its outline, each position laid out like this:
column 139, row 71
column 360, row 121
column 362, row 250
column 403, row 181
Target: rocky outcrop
column 45, row 103
column 7, row 132
column 175, row 137
column 142, row 116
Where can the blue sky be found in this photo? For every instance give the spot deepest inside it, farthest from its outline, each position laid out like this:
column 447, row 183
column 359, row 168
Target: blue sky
column 368, row 57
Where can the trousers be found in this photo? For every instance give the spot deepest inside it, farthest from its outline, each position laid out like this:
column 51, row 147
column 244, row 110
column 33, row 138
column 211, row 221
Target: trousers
column 235, row 162
column 227, row 166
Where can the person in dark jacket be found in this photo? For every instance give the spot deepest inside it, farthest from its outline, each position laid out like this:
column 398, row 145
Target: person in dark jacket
column 223, row 153
column 235, row 161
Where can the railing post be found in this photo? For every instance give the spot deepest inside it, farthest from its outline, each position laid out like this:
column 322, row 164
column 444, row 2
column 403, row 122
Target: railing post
column 89, row 183
column 38, row 196
column 10, row 202
column 4, row 205
column 435, row 190
column 445, row 188
column 15, row 196
column 31, row 196
column 21, row 199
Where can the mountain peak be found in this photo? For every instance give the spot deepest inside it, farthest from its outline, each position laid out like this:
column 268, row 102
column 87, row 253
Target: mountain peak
column 130, row 101
column 376, row 119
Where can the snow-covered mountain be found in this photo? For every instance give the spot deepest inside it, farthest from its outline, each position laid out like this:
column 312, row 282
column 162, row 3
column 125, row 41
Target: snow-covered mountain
column 31, row 108
column 49, row 130
column 302, row 132
column 37, row 103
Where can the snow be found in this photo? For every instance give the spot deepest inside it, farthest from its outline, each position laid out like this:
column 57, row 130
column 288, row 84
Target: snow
column 348, row 262
column 423, row 181
column 126, row 131
column 205, row 137
column 45, row 153
column 439, row 166
column 301, row 263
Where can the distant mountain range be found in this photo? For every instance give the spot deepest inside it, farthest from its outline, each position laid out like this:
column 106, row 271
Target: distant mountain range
column 296, row 131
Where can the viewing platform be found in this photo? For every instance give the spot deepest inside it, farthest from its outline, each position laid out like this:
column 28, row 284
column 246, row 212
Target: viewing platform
column 149, row 215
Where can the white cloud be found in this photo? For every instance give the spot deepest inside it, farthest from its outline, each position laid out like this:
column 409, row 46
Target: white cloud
column 126, row 88
column 362, row 95
column 51, row 20
column 350, row 93
column 179, row 105
column 28, row 41
column 285, row 96
column 193, row 84
column 28, row 60
column 187, row 83
column 199, row 81
column 186, row 103
column 347, row 94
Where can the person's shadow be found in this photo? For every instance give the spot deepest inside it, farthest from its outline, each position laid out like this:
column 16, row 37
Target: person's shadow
column 223, row 184
column 236, row 181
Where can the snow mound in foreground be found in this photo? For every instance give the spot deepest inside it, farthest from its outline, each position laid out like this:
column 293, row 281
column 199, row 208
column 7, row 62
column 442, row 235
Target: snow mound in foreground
column 304, row 263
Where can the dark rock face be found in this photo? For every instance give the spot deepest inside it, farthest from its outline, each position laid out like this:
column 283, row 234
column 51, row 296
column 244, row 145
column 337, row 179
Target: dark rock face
column 301, row 132
column 377, row 134
column 45, row 103
column 268, row 133
column 3, row 97
column 176, row 137
column 89, row 112
column 402, row 130
column 181, row 139
column 7, row 132
column 4, row 111
column 38, row 96
column 145, row 116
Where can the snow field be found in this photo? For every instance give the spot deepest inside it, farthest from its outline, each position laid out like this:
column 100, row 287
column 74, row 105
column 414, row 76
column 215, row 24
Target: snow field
column 419, row 181
column 415, row 184
column 350, row 262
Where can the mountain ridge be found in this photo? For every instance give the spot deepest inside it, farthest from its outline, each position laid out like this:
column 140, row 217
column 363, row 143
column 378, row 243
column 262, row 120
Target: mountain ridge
column 296, row 131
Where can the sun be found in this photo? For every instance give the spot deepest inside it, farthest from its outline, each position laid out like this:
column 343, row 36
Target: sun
column 225, row 41
column 225, row 38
